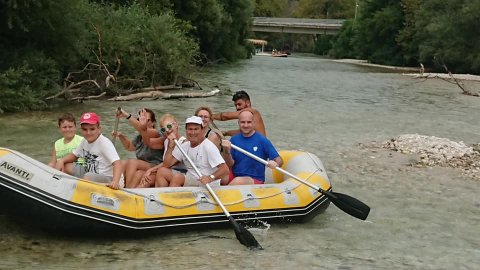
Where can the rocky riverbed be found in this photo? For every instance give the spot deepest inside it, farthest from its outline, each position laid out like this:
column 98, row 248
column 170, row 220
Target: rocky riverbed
column 434, row 151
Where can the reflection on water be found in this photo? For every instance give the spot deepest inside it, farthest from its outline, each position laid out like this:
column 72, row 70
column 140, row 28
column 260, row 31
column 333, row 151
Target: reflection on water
column 420, row 219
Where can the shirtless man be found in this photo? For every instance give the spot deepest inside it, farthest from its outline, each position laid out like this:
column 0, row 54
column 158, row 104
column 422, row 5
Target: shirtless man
column 242, row 103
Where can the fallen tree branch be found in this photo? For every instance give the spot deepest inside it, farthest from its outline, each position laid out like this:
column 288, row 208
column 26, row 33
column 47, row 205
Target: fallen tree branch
column 74, row 85
column 465, row 91
column 194, row 82
column 72, row 88
column 191, row 95
column 89, row 97
column 160, row 94
column 158, row 88
column 450, row 78
column 139, row 96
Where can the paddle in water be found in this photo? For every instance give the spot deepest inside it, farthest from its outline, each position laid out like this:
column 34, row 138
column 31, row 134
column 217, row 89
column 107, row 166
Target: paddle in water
column 243, row 235
column 346, row 203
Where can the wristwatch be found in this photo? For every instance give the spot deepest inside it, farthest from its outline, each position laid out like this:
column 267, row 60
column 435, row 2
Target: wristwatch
column 212, row 176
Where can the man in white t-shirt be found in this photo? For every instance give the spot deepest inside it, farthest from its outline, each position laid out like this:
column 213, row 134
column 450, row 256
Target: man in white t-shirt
column 102, row 163
column 203, row 153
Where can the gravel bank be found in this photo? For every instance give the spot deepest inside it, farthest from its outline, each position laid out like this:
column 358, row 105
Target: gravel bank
column 434, row 151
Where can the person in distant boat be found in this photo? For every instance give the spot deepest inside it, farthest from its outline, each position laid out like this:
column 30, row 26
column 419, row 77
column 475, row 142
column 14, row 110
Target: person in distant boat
column 146, row 157
column 64, row 146
column 200, row 150
column 245, row 170
column 102, row 163
column 168, row 126
column 242, row 102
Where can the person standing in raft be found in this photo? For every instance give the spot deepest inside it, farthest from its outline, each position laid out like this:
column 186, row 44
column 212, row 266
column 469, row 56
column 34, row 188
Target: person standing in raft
column 242, row 102
column 102, row 163
column 64, row 146
column 200, row 150
column 146, row 157
column 245, row 170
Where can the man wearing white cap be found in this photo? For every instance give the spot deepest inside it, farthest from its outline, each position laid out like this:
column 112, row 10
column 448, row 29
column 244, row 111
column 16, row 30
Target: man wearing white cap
column 201, row 151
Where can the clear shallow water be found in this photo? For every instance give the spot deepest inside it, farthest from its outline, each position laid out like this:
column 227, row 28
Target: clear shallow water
column 420, row 219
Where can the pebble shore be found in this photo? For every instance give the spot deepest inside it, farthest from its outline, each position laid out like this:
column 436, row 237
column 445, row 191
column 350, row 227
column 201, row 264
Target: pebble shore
column 434, row 151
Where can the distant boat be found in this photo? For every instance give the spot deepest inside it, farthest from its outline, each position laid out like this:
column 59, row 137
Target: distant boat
column 279, row 54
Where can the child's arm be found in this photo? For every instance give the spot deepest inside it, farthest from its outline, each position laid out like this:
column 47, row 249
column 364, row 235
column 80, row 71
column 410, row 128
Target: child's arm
column 53, row 160
column 70, row 158
column 117, row 174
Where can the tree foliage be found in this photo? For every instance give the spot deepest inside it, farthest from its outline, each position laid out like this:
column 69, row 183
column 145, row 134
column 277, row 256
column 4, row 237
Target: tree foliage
column 376, row 32
column 270, row 8
column 447, row 32
column 343, row 45
column 325, row 9
column 220, row 26
column 152, row 48
column 141, row 42
column 409, row 32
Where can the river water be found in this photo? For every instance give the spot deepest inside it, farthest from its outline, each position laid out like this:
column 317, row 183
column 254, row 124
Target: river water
column 421, row 218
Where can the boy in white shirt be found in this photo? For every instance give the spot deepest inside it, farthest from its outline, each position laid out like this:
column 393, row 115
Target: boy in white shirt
column 102, row 163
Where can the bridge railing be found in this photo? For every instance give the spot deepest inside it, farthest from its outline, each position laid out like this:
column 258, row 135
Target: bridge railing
column 295, row 25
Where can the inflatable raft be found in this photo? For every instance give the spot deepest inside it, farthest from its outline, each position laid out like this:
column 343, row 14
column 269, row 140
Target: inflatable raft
column 41, row 196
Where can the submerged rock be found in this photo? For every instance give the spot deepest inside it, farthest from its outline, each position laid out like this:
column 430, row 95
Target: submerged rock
column 434, row 151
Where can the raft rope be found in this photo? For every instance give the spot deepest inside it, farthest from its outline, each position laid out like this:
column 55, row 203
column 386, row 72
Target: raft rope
column 151, row 197
column 214, row 203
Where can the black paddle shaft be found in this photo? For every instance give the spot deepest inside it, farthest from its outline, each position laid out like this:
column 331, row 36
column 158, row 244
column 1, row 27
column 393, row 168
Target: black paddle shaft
column 243, row 235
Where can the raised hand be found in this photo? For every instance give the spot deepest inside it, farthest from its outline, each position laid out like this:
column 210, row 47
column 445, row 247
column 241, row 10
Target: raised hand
column 142, row 118
column 121, row 113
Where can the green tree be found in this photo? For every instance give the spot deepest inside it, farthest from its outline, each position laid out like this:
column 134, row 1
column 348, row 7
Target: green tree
column 152, row 48
column 447, row 32
column 325, row 9
column 406, row 36
column 220, row 26
column 270, row 8
column 342, row 44
column 376, row 31
column 41, row 41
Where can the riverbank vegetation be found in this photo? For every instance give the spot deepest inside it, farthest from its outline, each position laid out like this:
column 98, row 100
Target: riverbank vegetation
column 435, row 33
column 51, row 50
column 440, row 34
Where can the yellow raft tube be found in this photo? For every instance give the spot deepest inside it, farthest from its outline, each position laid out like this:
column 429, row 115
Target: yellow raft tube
column 50, row 199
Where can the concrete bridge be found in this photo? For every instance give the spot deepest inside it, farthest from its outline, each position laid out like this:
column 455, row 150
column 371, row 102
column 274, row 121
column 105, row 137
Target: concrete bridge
column 297, row 26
